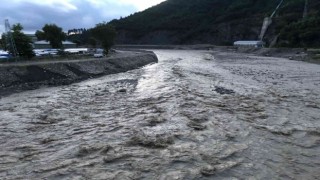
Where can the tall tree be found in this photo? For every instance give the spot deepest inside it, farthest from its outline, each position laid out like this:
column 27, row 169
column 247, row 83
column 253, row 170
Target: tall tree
column 1, row 43
column 53, row 34
column 40, row 35
column 104, row 34
column 22, row 42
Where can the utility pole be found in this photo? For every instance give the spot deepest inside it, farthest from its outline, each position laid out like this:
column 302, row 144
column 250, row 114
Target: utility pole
column 10, row 43
column 268, row 21
column 275, row 11
column 305, row 12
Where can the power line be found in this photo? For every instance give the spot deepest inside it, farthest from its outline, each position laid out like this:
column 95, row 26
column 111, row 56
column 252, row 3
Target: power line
column 275, row 11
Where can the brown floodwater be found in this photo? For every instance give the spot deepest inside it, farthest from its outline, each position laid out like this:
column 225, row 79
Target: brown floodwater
column 193, row 115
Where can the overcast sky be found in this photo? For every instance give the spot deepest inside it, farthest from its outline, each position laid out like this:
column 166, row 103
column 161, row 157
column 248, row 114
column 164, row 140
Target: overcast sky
column 68, row 14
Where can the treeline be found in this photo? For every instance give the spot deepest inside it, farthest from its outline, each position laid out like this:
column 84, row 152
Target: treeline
column 102, row 35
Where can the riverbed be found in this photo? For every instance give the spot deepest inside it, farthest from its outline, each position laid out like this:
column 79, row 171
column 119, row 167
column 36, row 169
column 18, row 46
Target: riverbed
column 192, row 115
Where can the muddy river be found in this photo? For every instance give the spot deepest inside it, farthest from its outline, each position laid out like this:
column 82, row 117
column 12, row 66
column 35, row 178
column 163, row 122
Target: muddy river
column 193, row 115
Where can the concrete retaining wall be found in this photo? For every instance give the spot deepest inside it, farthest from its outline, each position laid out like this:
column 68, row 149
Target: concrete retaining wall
column 17, row 77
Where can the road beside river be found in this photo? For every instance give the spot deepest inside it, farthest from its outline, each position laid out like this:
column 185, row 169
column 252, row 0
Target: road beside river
column 193, row 115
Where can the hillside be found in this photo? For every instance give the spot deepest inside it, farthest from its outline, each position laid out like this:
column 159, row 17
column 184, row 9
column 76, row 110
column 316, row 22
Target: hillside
column 220, row 22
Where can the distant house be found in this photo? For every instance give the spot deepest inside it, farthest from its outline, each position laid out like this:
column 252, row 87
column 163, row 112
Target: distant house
column 33, row 37
column 46, row 45
column 69, row 44
column 256, row 44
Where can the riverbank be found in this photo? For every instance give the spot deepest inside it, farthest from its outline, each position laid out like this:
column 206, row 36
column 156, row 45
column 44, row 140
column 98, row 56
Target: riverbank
column 17, row 77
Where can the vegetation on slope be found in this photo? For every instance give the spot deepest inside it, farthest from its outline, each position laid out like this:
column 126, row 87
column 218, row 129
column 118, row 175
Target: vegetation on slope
column 297, row 32
column 213, row 21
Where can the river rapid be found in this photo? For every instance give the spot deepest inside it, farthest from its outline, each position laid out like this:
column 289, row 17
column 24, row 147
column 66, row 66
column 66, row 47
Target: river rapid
column 193, row 115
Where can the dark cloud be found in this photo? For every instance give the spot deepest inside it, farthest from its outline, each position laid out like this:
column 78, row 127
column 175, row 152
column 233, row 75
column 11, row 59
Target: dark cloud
column 34, row 15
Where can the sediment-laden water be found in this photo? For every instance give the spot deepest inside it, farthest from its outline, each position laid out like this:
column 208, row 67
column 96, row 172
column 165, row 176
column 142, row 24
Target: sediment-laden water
column 193, row 115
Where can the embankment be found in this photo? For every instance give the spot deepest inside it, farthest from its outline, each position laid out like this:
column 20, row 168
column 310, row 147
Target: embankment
column 31, row 75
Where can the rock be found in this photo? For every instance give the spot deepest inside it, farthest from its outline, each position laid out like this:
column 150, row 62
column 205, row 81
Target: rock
column 86, row 150
column 122, row 90
column 43, row 116
column 222, row 90
column 230, row 135
column 208, row 170
column 312, row 105
column 154, row 120
column 196, row 126
column 151, row 141
column 115, row 157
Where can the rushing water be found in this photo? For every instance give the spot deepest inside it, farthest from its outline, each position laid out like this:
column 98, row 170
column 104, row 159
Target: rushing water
column 193, row 115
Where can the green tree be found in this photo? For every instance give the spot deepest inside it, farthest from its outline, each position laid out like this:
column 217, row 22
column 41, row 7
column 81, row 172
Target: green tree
column 1, row 43
column 104, row 34
column 22, row 42
column 53, row 34
column 304, row 33
column 40, row 35
column 93, row 42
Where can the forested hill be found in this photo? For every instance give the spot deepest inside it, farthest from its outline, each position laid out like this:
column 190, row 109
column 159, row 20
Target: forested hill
column 221, row 22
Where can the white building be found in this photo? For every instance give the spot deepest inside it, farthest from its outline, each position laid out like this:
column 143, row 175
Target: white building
column 4, row 54
column 256, row 44
column 46, row 45
column 77, row 50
